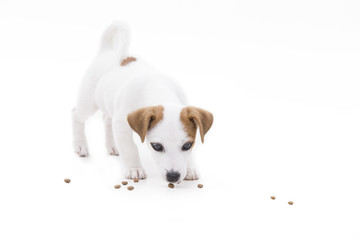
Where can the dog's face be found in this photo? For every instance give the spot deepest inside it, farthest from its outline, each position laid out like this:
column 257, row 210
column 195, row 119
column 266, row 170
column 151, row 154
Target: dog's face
column 170, row 132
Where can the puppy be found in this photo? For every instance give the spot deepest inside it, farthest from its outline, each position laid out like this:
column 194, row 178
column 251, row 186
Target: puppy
column 134, row 97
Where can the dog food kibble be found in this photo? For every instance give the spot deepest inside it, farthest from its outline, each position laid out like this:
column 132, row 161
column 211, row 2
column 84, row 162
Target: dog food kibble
column 290, row 202
column 200, row 186
column 67, row 180
column 130, row 188
column 273, row 197
column 124, row 182
column 170, row 185
column 117, row 186
column 136, row 180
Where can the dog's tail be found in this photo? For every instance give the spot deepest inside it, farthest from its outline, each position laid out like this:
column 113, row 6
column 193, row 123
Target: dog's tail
column 116, row 39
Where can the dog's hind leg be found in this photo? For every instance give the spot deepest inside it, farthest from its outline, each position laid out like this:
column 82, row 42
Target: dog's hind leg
column 109, row 138
column 79, row 115
column 113, row 48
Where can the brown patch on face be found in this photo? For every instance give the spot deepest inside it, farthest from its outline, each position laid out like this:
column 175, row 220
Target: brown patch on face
column 143, row 119
column 127, row 60
column 192, row 118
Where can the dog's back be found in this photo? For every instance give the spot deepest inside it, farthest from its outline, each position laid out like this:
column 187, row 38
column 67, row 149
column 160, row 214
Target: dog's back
column 113, row 48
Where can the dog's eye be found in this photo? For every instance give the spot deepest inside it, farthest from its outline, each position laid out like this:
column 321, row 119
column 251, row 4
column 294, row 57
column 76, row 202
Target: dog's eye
column 186, row 146
column 157, row 147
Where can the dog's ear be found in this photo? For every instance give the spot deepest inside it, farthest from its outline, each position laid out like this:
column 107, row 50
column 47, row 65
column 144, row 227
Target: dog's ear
column 143, row 119
column 193, row 117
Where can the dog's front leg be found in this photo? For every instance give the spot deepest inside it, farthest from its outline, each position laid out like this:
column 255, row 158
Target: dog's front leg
column 191, row 172
column 109, row 138
column 123, row 137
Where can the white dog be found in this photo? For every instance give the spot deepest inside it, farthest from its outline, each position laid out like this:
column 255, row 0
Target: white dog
column 134, row 97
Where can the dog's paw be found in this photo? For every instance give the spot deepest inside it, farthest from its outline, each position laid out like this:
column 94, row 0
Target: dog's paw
column 112, row 150
column 191, row 175
column 81, row 149
column 135, row 173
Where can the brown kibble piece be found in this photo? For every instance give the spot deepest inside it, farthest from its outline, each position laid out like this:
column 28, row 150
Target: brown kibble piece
column 273, row 197
column 67, row 180
column 130, row 188
column 290, row 202
column 200, row 186
column 117, row 186
column 124, row 182
column 136, row 180
column 170, row 185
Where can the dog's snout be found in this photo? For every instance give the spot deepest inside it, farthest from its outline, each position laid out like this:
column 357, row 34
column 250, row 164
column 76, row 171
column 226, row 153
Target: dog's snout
column 172, row 176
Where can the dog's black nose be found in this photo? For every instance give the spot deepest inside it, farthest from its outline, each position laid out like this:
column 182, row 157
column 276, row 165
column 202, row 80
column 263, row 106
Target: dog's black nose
column 172, row 176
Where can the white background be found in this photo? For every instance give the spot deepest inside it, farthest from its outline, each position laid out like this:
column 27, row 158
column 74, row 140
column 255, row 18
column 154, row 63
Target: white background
column 281, row 78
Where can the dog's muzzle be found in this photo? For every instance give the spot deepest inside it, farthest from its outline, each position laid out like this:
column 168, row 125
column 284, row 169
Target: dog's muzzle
column 172, row 176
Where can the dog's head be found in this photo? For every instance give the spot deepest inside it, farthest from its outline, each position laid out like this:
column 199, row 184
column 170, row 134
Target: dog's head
column 170, row 132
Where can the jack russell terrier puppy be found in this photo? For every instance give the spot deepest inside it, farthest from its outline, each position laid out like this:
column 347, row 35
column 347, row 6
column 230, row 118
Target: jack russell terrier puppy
column 136, row 98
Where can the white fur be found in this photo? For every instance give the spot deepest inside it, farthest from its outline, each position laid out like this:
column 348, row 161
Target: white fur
column 118, row 90
column 170, row 133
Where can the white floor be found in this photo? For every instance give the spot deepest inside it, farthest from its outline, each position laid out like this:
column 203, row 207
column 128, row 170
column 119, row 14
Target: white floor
column 282, row 80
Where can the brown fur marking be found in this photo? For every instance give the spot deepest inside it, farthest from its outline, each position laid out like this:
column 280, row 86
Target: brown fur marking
column 127, row 60
column 192, row 117
column 143, row 119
